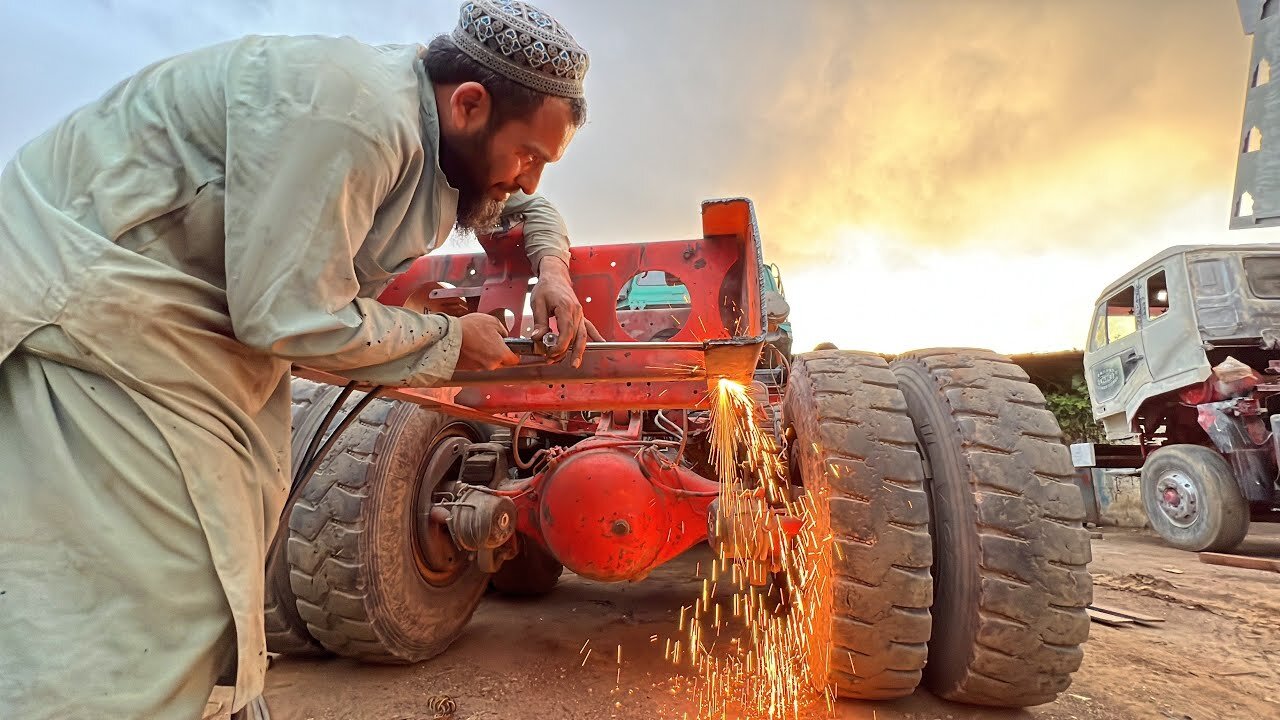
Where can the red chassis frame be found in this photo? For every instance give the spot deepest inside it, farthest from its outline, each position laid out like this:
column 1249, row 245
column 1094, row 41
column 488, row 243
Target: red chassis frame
column 720, row 337
column 613, row 506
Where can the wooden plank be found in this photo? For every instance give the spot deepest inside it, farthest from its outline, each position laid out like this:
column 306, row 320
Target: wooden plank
column 1132, row 615
column 1240, row 561
column 1106, row 618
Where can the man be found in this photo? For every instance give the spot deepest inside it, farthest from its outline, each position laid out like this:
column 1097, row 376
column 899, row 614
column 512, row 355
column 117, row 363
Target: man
column 166, row 253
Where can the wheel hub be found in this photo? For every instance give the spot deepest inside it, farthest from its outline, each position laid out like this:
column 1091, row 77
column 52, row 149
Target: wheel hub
column 1178, row 498
column 458, row 521
column 440, row 560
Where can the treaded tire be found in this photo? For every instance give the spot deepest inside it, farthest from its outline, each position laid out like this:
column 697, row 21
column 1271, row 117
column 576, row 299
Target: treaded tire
column 853, row 445
column 1222, row 520
column 286, row 632
column 354, row 567
column 1010, row 551
column 531, row 573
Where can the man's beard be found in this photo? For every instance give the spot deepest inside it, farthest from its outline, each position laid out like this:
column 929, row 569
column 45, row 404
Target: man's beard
column 465, row 162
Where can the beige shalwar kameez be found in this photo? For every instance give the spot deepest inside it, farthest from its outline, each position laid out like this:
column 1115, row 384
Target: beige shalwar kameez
column 166, row 253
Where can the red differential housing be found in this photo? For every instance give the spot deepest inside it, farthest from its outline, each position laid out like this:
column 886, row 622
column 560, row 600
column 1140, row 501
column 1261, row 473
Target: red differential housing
column 611, row 513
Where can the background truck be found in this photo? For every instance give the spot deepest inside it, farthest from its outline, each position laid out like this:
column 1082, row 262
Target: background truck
column 1181, row 365
column 939, row 480
column 1182, row 350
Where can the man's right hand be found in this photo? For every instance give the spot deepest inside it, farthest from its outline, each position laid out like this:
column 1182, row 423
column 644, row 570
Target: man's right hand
column 483, row 343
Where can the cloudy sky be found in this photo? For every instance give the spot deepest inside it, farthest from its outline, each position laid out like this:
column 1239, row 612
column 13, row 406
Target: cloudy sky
column 926, row 172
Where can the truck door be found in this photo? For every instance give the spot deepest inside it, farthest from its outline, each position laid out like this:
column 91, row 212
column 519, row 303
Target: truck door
column 1115, row 366
column 1169, row 334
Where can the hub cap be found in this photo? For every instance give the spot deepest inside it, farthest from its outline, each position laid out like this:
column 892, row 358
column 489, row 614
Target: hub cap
column 1178, row 499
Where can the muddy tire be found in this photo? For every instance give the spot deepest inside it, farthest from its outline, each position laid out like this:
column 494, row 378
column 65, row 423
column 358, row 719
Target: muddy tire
column 355, row 567
column 1010, row 550
column 854, row 451
column 1208, row 513
column 286, row 632
column 531, row 573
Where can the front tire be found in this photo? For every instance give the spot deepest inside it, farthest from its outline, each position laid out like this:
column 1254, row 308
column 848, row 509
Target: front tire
column 364, row 585
column 286, row 631
column 1192, row 499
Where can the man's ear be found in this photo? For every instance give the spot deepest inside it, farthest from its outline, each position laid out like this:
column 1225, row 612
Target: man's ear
column 469, row 107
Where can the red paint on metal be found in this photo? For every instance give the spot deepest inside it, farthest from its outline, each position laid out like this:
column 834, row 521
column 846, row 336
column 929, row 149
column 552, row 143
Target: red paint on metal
column 611, row 513
column 791, row 525
column 721, row 272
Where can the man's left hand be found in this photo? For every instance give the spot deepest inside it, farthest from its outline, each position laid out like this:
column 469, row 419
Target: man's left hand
column 553, row 296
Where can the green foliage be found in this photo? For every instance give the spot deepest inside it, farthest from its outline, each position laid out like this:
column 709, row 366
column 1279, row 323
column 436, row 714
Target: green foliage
column 1074, row 412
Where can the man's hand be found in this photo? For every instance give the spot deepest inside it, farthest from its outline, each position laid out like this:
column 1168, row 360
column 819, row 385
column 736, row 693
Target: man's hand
column 553, row 297
column 484, row 344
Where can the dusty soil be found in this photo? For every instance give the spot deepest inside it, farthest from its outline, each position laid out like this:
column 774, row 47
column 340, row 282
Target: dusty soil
column 1216, row 656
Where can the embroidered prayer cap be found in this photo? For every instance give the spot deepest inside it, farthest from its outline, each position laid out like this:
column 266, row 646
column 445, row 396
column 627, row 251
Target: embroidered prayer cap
column 520, row 42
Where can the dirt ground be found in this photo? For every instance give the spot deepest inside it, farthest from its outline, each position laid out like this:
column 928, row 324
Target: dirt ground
column 1216, row 655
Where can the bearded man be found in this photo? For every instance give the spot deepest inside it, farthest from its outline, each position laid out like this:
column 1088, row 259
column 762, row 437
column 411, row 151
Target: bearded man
column 166, row 254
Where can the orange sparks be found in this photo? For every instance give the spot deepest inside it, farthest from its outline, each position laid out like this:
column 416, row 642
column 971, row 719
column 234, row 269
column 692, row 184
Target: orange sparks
column 778, row 668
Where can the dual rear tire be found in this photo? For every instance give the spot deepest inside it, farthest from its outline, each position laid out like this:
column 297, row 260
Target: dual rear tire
column 962, row 556
column 349, row 574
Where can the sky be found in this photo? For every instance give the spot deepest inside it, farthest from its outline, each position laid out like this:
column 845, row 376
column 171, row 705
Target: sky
column 925, row 172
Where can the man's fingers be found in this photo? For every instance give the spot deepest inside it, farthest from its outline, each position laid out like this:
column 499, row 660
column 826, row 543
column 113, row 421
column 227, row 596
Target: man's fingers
column 570, row 324
column 580, row 344
column 592, row 332
column 541, row 326
column 498, row 326
column 508, row 358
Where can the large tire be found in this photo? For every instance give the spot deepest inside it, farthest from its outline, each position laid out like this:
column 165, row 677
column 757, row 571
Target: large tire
column 530, row 573
column 1010, row 550
column 854, row 451
column 1210, row 512
column 286, row 632
column 356, row 569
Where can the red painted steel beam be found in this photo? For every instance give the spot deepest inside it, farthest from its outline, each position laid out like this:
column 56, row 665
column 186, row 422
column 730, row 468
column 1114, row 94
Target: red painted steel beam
column 719, row 335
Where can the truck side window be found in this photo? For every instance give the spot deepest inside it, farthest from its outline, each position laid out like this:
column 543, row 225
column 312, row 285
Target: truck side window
column 1121, row 319
column 1157, row 296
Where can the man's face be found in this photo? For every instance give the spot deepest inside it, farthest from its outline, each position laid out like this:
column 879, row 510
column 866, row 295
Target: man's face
column 487, row 164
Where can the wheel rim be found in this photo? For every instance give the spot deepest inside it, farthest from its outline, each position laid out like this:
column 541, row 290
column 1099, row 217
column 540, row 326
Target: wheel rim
column 1178, row 498
column 440, row 561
